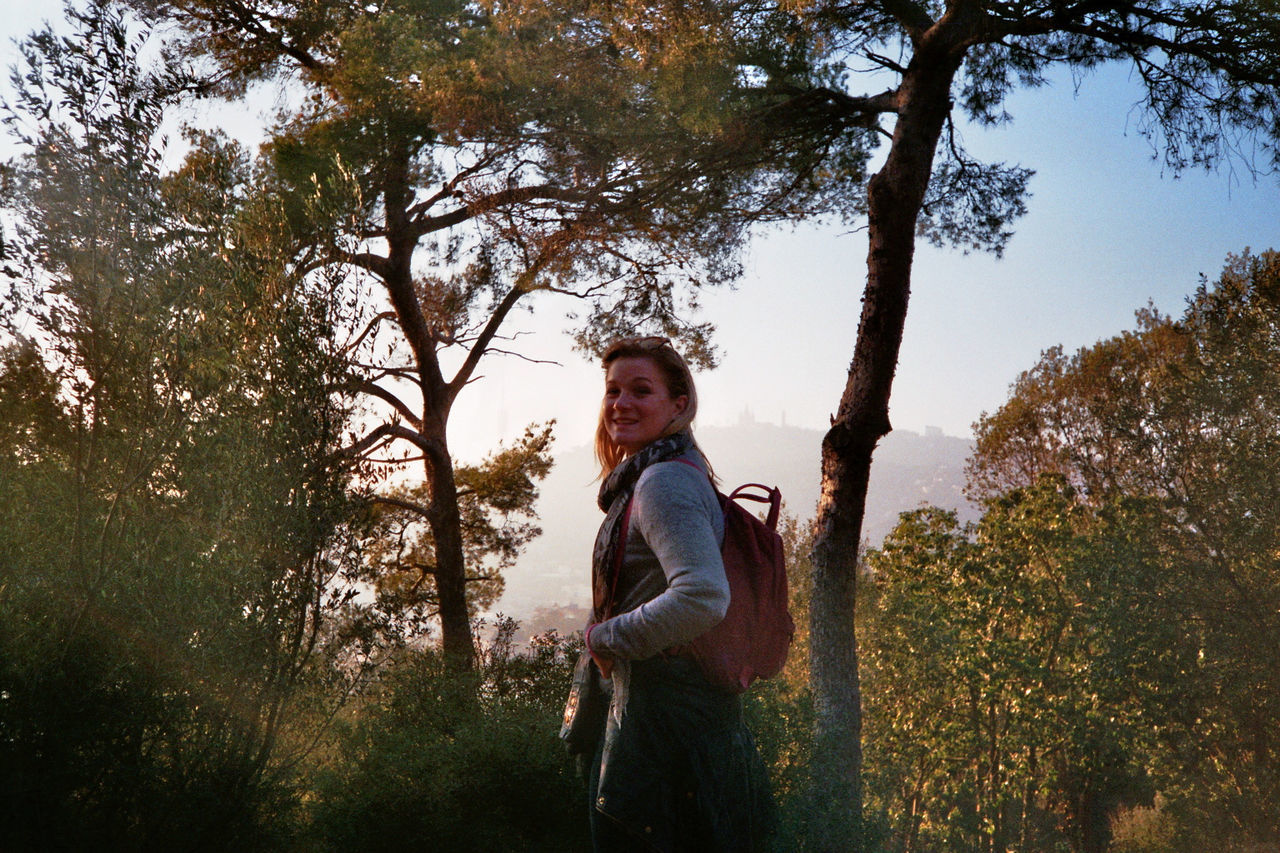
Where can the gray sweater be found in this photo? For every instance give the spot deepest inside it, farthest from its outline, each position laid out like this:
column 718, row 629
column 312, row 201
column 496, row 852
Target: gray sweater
column 672, row 586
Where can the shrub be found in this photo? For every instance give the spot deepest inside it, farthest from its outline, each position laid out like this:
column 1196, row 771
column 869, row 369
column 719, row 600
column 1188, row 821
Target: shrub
column 451, row 762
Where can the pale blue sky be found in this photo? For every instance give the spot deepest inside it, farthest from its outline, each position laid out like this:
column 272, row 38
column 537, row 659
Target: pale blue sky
column 1106, row 232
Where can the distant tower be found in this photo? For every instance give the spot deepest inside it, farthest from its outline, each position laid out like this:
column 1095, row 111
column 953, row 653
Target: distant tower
column 746, row 418
column 784, row 417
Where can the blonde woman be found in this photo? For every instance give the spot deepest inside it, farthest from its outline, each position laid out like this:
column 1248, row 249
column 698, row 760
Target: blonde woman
column 675, row 768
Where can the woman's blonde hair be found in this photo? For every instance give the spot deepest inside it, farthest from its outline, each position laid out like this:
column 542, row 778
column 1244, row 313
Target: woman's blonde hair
column 675, row 375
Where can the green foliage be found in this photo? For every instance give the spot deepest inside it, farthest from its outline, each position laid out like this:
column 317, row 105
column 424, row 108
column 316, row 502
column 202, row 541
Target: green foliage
column 496, row 499
column 553, row 144
column 1144, row 830
column 459, row 762
column 1178, row 419
column 999, row 664
column 170, row 527
column 779, row 711
column 103, row 750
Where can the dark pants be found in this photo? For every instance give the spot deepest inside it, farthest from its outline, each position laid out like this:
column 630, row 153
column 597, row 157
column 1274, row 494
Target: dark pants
column 684, row 775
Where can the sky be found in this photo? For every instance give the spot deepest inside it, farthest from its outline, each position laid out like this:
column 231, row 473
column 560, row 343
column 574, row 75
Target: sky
column 1109, row 230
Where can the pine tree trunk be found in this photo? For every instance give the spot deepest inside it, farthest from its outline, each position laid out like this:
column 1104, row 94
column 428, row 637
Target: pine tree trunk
column 895, row 196
column 457, row 642
column 443, row 516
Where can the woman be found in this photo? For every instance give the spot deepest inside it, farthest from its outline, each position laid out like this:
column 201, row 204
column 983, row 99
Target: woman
column 675, row 768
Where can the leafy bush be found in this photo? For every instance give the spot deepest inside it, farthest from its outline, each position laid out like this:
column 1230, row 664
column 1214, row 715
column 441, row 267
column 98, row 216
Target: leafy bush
column 452, row 762
column 1144, row 830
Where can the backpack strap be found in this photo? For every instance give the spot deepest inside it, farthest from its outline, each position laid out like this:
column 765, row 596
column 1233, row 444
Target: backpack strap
column 619, row 551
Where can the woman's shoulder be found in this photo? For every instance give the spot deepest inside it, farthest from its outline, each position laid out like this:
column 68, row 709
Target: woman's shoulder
column 670, row 494
column 685, row 475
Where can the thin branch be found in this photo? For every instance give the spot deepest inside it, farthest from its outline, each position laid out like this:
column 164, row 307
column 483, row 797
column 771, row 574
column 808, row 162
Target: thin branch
column 409, row 372
column 450, row 187
column 392, row 432
column 885, row 62
column 523, row 357
column 397, row 461
column 379, row 265
column 377, row 318
column 478, row 348
column 492, row 201
column 524, row 283
column 399, row 503
column 375, row 390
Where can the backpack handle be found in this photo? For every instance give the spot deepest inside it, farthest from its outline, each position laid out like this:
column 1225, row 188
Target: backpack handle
column 772, row 496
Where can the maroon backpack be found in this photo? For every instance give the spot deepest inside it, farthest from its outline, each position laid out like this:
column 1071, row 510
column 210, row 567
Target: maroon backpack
column 753, row 639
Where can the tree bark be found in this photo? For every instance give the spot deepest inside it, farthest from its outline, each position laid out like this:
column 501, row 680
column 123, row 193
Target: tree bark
column 443, row 516
column 456, row 639
column 895, row 195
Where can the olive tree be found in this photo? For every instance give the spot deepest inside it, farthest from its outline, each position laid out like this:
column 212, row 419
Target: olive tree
column 177, row 629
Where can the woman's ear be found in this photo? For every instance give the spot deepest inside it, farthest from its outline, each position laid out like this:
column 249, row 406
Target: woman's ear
column 681, row 403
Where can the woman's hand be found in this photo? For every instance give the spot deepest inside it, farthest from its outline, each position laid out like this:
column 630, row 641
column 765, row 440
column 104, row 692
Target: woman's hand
column 603, row 661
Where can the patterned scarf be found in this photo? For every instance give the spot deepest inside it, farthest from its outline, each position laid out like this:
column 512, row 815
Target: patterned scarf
column 615, row 496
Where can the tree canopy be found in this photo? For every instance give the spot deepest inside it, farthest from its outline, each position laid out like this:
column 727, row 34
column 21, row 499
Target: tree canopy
column 442, row 162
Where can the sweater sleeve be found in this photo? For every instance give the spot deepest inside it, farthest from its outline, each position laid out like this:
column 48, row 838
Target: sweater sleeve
column 677, row 514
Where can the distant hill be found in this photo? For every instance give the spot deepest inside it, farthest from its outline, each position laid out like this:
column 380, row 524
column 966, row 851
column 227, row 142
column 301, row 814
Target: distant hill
column 909, row 470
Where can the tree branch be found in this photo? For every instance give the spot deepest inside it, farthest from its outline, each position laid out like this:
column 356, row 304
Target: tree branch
column 914, row 17
column 492, row 201
column 374, row 390
column 240, row 17
column 393, row 432
column 550, row 247
column 477, row 351
column 399, row 503
column 378, row 318
column 379, row 265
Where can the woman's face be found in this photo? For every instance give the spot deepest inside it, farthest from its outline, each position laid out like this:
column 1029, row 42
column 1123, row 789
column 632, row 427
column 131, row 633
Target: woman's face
column 638, row 407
